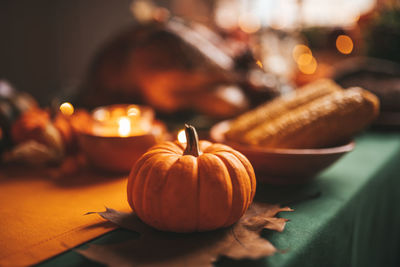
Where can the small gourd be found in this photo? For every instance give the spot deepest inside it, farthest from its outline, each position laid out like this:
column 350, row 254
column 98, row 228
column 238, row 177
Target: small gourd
column 202, row 187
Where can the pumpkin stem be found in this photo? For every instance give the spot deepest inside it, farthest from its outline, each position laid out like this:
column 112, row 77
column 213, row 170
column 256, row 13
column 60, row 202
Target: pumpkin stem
column 192, row 141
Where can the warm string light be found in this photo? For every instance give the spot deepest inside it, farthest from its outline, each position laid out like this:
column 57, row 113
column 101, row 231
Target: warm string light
column 344, row 44
column 299, row 50
column 142, row 10
column 259, row 63
column 249, row 23
column 304, row 58
column 67, row 109
column 309, row 68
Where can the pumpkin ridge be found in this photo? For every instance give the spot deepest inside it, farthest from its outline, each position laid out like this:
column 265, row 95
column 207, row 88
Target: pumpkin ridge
column 198, row 195
column 237, row 183
column 206, row 185
column 138, row 192
column 153, row 207
column 162, row 195
column 178, row 206
column 217, row 147
column 247, row 181
column 162, row 150
column 204, row 145
column 145, row 187
column 169, row 146
column 226, row 223
column 129, row 187
column 250, row 172
column 179, row 144
column 133, row 177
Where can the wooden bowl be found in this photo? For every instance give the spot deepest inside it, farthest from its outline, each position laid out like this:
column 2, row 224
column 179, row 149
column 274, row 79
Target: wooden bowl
column 117, row 154
column 281, row 165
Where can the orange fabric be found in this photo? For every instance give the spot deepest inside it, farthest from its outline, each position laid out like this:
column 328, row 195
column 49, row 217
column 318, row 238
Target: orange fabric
column 41, row 217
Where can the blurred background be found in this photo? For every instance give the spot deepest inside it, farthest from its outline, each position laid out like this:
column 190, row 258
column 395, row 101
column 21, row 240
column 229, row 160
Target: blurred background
column 57, row 48
column 46, row 45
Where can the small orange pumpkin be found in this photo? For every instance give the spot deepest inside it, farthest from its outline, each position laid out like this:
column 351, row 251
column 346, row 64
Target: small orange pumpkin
column 203, row 187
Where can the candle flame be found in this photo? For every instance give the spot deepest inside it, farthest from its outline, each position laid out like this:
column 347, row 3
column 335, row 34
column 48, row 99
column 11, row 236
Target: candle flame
column 117, row 112
column 259, row 63
column 124, row 127
column 67, row 109
column 101, row 114
column 133, row 111
column 182, row 137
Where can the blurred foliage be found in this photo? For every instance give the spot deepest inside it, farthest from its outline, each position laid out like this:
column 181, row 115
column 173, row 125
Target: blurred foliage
column 383, row 35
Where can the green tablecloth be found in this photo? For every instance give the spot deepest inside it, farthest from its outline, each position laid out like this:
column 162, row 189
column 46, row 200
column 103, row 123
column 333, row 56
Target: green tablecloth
column 348, row 216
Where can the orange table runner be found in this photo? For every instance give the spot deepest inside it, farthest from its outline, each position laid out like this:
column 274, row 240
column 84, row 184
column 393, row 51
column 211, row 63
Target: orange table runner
column 42, row 217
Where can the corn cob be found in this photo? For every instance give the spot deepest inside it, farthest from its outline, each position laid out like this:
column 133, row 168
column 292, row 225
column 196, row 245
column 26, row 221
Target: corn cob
column 275, row 108
column 326, row 121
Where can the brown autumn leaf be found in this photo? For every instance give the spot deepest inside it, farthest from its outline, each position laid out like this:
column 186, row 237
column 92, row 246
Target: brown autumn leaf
column 156, row 248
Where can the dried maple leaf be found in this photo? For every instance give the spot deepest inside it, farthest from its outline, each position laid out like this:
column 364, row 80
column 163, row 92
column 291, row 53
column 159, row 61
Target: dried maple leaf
column 156, row 248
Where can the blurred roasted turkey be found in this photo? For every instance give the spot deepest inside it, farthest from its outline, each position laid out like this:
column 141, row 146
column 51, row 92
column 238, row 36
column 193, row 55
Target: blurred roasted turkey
column 175, row 66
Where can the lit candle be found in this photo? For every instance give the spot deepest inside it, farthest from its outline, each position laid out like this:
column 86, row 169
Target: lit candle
column 181, row 137
column 124, row 126
column 122, row 120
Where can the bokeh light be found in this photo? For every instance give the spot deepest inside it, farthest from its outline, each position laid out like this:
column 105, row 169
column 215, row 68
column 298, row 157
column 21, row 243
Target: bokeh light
column 344, row 44
column 142, row 10
column 299, row 50
column 182, row 137
column 133, row 111
column 304, row 59
column 67, row 109
column 309, row 68
column 249, row 23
